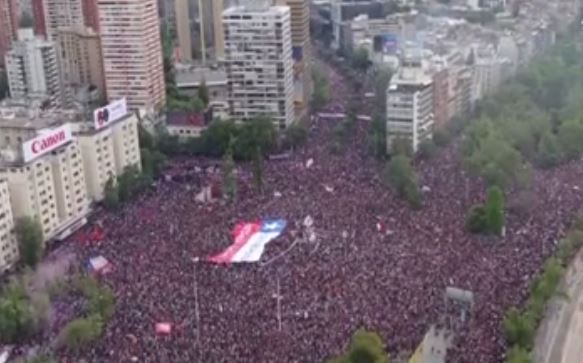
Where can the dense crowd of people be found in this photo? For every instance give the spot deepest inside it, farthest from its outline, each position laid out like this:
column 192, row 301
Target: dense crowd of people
column 374, row 263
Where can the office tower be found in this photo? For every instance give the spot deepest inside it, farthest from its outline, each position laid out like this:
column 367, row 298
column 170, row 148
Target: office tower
column 91, row 14
column 8, row 26
column 50, row 15
column 196, row 27
column 32, row 68
column 258, row 62
column 302, row 53
column 132, row 52
column 80, row 58
column 409, row 107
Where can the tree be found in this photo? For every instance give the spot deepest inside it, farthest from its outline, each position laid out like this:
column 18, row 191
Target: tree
column 569, row 137
column 477, row 221
column 427, row 149
column 490, row 156
column 145, row 138
column 81, row 332
column 295, row 135
column 519, row 328
column 321, row 92
column 229, row 181
column 127, row 183
column 30, row 240
column 377, row 136
column 203, row 93
column 16, row 319
column 218, row 136
column 258, row 169
column 382, row 78
column 402, row 146
column 111, row 194
column 153, row 162
column 365, row 347
column 257, row 133
column 495, row 210
column 549, row 153
column 400, row 176
column 100, row 297
column 518, row 355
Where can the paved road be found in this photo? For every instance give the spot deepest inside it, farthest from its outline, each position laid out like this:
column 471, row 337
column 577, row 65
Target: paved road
column 561, row 335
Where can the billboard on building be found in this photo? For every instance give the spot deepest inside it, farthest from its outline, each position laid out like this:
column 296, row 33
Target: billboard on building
column 112, row 112
column 46, row 142
column 390, row 43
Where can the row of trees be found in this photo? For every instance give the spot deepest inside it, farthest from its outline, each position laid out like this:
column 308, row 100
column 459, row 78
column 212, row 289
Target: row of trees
column 520, row 325
column 534, row 120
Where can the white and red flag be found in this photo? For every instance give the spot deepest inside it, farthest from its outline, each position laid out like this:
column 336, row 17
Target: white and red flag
column 250, row 240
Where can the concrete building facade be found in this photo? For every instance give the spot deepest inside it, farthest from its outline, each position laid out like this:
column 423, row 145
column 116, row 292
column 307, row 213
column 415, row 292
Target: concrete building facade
column 8, row 243
column 301, row 53
column 32, row 68
column 258, row 62
column 57, row 14
column 409, row 107
column 8, row 26
column 42, row 165
column 80, row 58
column 132, row 52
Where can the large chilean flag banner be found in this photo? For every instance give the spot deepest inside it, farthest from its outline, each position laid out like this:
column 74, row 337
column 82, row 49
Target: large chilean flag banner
column 250, row 240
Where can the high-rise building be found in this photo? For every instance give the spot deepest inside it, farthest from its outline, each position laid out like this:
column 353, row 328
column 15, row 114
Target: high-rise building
column 132, row 52
column 8, row 26
column 50, row 15
column 8, row 244
column 42, row 165
column 409, row 107
column 302, row 53
column 90, row 14
column 32, row 68
column 198, row 28
column 38, row 13
column 258, row 62
column 54, row 162
column 80, row 58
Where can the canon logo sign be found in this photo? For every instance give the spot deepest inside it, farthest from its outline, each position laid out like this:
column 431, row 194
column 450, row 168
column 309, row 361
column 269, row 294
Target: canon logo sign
column 46, row 142
column 39, row 146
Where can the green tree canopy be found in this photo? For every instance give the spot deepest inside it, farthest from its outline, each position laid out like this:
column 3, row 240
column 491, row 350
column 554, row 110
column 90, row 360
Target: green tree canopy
column 495, row 210
column 365, row 347
column 399, row 174
column 30, row 240
column 203, row 93
column 81, row 332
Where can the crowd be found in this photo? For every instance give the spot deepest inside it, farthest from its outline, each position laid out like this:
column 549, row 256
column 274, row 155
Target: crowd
column 354, row 274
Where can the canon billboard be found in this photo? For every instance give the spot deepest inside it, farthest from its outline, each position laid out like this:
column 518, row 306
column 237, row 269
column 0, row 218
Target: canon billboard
column 110, row 113
column 46, row 142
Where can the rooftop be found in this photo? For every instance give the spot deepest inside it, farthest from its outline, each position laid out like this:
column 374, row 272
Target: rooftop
column 193, row 76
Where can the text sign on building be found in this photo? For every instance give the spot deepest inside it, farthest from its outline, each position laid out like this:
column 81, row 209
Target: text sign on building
column 46, row 142
column 110, row 113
